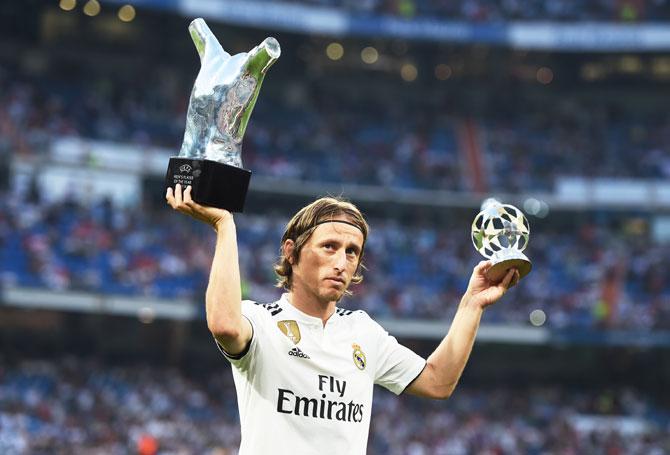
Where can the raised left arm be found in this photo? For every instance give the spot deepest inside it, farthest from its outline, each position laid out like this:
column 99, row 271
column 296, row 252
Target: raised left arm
column 445, row 365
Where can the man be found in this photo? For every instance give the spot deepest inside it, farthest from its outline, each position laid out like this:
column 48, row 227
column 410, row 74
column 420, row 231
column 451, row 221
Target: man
column 304, row 369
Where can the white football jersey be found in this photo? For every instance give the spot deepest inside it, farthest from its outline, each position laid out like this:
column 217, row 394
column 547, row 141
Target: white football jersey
column 303, row 388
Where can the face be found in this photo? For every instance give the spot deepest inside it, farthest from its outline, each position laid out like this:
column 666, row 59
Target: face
column 328, row 260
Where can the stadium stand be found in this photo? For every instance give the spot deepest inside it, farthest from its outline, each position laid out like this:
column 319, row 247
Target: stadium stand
column 590, row 276
column 381, row 144
column 51, row 406
column 591, row 380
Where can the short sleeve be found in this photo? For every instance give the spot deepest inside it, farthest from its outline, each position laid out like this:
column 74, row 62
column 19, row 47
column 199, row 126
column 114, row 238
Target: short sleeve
column 398, row 365
column 243, row 360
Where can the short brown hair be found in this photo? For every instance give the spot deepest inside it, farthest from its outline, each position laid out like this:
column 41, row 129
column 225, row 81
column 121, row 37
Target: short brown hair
column 303, row 224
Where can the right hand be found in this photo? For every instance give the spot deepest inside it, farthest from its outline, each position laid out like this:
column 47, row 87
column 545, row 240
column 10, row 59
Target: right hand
column 185, row 204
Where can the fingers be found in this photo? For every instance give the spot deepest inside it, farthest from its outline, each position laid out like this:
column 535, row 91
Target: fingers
column 261, row 57
column 187, row 196
column 511, row 274
column 183, row 202
column 176, row 200
column 483, row 266
column 205, row 42
column 177, row 194
column 169, row 197
column 194, row 209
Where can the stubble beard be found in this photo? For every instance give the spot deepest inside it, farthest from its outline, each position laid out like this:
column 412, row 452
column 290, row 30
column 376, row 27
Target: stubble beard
column 330, row 296
column 327, row 294
column 333, row 294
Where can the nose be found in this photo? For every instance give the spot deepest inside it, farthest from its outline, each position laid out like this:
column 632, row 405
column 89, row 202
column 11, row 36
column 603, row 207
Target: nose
column 340, row 261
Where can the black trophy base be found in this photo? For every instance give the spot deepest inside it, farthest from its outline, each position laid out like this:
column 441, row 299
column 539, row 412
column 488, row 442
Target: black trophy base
column 212, row 183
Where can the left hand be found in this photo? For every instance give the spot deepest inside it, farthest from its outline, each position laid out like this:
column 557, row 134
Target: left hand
column 482, row 292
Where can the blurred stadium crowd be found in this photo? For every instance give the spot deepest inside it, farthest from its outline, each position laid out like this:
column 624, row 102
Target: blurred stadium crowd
column 597, row 273
column 509, row 10
column 377, row 144
column 594, row 269
column 588, row 277
column 53, row 406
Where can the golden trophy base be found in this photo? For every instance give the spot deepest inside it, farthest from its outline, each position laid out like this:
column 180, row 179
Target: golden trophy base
column 506, row 259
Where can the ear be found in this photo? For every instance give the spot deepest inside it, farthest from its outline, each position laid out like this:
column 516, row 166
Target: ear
column 288, row 248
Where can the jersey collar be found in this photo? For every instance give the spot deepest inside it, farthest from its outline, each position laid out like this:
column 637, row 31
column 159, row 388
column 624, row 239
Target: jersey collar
column 299, row 315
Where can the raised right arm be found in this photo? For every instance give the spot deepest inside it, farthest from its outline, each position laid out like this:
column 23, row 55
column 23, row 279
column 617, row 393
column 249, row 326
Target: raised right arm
column 224, row 296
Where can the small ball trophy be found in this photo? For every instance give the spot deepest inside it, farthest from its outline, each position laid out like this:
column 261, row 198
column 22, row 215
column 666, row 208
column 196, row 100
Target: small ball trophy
column 223, row 96
column 500, row 233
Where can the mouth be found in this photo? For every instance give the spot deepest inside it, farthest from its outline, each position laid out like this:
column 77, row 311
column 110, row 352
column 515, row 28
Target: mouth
column 336, row 280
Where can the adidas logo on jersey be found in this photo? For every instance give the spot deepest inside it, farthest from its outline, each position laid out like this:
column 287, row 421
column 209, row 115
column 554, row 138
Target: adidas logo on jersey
column 296, row 352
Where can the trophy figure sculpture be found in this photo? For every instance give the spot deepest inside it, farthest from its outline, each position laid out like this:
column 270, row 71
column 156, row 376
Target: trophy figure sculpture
column 500, row 233
column 223, row 96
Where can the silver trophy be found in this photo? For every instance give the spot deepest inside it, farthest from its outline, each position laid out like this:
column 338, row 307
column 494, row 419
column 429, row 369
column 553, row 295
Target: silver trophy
column 500, row 232
column 222, row 99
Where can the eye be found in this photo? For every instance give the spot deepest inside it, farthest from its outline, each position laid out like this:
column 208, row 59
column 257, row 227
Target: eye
column 352, row 251
column 329, row 246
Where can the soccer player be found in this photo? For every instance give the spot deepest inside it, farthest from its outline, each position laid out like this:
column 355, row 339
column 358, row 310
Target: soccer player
column 304, row 369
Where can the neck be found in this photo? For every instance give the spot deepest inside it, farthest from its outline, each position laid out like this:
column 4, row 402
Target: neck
column 310, row 304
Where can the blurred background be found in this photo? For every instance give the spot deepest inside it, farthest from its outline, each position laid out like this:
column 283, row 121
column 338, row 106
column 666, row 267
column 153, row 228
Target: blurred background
column 417, row 110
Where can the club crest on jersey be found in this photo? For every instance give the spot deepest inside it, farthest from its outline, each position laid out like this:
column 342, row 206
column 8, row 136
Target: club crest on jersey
column 290, row 329
column 359, row 357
